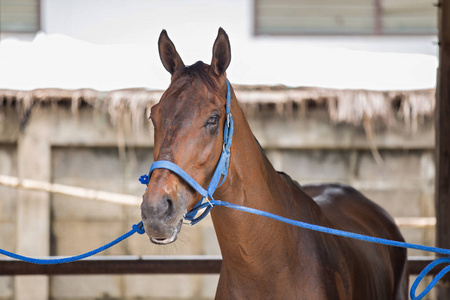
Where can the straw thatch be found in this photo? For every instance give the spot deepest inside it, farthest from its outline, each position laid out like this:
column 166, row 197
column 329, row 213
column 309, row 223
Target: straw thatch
column 344, row 106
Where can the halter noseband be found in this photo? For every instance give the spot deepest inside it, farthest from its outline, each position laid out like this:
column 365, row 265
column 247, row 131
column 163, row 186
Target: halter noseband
column 221, row 170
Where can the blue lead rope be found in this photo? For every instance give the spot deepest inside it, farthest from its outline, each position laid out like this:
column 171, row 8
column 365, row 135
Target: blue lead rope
column 139, row 228
column 361, row 237
column 190, row 216
column 207, row 194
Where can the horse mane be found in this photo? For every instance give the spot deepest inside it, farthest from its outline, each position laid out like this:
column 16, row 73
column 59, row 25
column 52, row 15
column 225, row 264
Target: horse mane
column 259, row 145
column 285, row 176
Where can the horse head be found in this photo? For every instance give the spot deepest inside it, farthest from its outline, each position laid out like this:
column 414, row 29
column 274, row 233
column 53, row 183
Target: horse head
column 188, row 124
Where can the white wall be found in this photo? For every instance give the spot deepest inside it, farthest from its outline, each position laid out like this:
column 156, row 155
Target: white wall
column 140, row 22
column 121, row 49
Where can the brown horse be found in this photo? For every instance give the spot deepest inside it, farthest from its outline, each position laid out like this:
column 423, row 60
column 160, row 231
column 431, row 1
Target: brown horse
column 262, row 258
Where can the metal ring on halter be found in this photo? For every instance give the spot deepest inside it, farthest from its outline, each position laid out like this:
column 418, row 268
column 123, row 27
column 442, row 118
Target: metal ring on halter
column 186, row 222
column 207, row 199
column 228, row 119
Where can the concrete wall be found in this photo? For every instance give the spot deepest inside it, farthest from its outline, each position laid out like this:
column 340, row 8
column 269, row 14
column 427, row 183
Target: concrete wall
column 81, row 150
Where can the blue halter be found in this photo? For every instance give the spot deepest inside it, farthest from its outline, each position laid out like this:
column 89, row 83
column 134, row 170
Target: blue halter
column 208, row 202
column 221, row 170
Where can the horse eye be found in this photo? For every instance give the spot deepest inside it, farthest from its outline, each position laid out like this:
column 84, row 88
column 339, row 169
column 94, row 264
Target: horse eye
column 212, row 121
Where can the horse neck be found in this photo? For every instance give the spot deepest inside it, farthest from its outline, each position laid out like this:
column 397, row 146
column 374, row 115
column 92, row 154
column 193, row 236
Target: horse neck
column 252, row 181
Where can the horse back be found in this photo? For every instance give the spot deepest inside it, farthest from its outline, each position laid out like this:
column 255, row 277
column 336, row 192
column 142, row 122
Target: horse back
column 373, row 265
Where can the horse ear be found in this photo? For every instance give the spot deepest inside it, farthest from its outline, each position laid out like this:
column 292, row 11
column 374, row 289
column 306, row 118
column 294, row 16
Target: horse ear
column 168, row 54
column 221, row 53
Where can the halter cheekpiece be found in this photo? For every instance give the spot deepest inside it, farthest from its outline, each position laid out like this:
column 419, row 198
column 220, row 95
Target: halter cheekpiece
column 221, row 170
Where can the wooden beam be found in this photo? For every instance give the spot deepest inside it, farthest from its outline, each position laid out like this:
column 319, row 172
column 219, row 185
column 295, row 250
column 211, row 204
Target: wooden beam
column 130, row 200
column 443, row 139
column 102, row 265
column 67, row 190
column 130, row 264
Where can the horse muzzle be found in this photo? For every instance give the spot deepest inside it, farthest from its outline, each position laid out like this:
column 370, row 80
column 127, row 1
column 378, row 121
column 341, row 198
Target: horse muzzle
column 160, row 222
column 162, row 211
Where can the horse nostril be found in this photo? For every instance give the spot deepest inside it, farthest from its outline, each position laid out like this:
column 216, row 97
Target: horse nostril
column 170, row 208
column 165, row 208
column 161, row 210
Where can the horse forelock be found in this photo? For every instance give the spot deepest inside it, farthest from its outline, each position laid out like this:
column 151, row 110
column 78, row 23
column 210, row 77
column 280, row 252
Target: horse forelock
column 190, row 75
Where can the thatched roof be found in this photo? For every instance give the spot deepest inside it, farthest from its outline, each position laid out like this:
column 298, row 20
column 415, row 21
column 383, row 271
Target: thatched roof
column 348, row 106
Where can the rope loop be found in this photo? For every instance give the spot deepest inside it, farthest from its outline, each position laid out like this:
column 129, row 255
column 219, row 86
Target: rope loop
column 412, row 291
